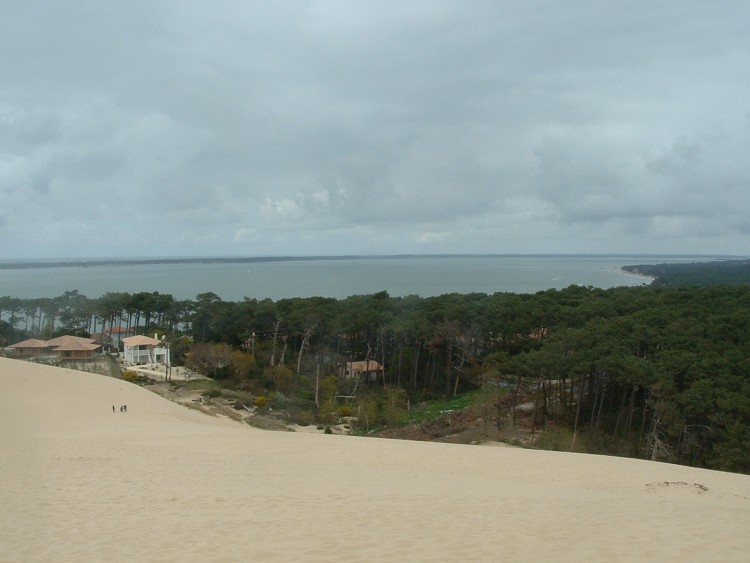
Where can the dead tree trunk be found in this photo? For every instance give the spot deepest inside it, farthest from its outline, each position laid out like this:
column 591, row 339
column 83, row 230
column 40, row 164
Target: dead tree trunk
column 276, row 327
column 305, row 340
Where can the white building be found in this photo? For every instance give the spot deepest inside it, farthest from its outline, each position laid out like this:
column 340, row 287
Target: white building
column 139, row 350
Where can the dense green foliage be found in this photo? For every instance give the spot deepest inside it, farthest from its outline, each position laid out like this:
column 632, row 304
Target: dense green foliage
column 730, row 272
column 660, row 373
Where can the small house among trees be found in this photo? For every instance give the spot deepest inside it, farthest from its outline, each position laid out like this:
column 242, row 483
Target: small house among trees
column 117, row 334
column 77, row 350
column 365, row 370
column 31, row 348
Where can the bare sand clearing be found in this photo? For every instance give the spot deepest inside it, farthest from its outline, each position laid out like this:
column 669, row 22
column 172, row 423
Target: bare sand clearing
column 166, row 483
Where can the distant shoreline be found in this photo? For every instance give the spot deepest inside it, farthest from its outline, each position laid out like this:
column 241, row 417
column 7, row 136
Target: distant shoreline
column 648, row 280
column 96, row 262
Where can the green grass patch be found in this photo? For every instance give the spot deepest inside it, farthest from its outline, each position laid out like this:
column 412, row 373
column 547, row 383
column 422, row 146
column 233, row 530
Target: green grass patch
column 436, row 409
column 198, row 384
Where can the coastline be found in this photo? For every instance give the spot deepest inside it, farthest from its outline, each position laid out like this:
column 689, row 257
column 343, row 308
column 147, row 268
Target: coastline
column 636, row 274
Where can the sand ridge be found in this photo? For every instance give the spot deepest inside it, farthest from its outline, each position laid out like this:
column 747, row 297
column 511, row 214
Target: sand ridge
column 166, row 483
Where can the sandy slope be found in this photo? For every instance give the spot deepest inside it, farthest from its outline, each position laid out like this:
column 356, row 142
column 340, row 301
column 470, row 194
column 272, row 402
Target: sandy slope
column 165, row 483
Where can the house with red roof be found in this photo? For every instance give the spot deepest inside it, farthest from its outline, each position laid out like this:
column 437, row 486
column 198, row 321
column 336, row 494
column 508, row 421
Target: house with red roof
column 118, row 333
column 32, row 347
column 65, row 347
column 77, row 350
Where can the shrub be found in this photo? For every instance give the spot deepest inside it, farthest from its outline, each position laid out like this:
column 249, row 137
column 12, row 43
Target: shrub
column 130, row 376
column 281, row 378
column 303, row 418
column 344, row 410
column 252, row 386
column 327, row 412
column 278, row 401
column 261, row 401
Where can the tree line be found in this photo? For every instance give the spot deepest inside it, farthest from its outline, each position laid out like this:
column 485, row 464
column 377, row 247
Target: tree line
column 695, row 273
column 652, row 372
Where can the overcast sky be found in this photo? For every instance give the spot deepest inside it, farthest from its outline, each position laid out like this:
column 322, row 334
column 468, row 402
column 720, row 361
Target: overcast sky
column 305, row 128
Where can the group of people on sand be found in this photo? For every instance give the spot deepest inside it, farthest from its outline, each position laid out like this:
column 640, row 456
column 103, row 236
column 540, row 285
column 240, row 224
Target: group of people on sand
column 123, row 408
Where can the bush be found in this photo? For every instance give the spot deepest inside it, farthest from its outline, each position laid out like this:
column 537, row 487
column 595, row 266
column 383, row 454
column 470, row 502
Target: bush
column 137, row 378
column 278, row 401
column 252, row 386
column 327, row 412
column 303, row 418
column 261, row 401
column 344, row 410
column 130, row 376
column 281, row 378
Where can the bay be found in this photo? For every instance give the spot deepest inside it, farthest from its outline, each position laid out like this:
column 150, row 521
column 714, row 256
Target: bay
column 276, row 279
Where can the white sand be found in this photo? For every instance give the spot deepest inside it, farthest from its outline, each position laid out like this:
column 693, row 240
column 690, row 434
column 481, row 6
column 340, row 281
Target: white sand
column 165, row 483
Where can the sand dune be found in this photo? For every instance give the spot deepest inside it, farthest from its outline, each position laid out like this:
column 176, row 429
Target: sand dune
column 165, row 483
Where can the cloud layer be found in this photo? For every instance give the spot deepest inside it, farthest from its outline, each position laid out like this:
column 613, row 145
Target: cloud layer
column 249, row 128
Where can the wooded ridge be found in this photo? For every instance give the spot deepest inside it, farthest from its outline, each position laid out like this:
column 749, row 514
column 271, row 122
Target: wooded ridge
column 695, row 273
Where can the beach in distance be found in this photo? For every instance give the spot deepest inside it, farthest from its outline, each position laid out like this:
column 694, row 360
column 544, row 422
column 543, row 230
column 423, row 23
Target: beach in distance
column 85, row 481
column 338, row 277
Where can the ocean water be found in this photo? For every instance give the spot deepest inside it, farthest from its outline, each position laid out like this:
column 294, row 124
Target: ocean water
column 340, row 278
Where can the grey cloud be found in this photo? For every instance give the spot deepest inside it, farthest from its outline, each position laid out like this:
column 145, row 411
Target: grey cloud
column 683, row 154
column 22, row 130
column 40, row 185
column 396, row 126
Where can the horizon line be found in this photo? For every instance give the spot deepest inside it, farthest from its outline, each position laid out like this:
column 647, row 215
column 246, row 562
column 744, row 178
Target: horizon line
column 19, row 263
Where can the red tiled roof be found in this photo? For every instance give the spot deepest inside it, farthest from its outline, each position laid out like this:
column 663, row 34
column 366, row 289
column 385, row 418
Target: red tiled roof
column 66, row 339
column 31, row 343
column 75, row 346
